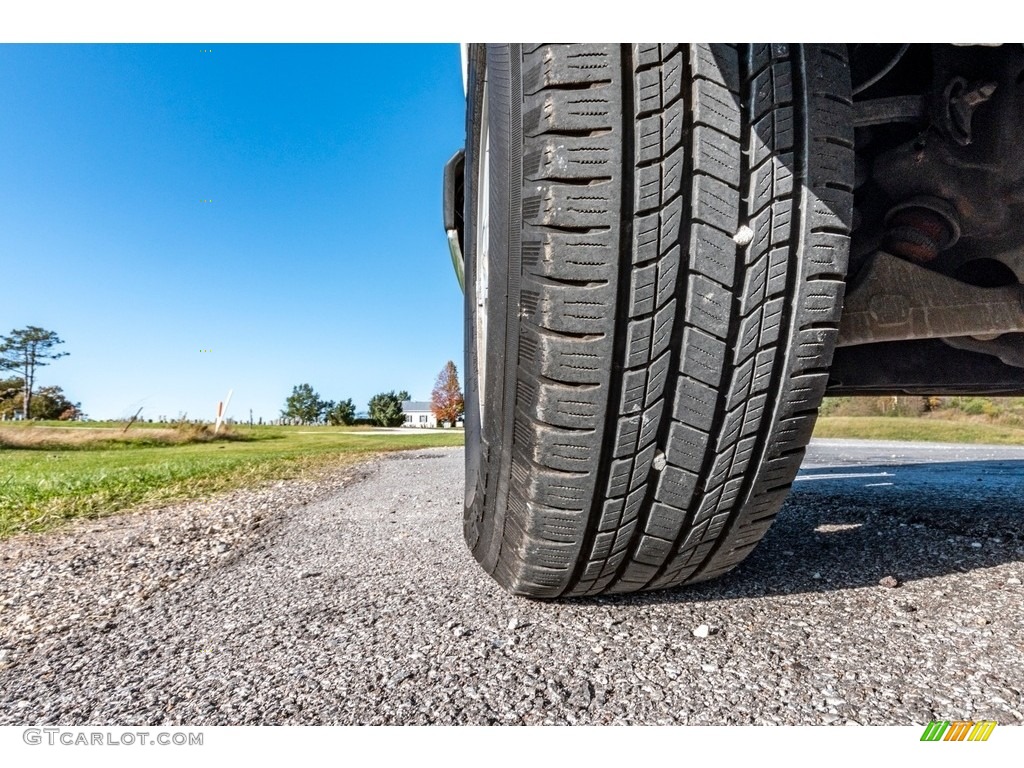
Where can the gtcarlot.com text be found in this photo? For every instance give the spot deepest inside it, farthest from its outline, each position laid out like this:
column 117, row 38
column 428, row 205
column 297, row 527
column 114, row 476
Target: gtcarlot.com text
column 76, row 737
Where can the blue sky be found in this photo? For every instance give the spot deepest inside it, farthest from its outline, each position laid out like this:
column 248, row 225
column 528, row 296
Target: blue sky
column 320, row 259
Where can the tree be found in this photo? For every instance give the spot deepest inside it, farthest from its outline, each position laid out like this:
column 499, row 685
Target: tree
column 386, row 409
column 303, row 404
column 446, row 400
column 25, row 350
column 10, row 396
column 48, row 402
column 342, row 413
column 403, row 396
column 51, row 403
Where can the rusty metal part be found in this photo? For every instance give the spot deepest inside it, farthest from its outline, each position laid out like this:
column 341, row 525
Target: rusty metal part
column 920, row 228
column 895, row 300
column 983, row 180
column 967, row 150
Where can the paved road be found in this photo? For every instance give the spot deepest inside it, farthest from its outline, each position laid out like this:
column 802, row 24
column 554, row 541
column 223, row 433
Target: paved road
column 356, row 602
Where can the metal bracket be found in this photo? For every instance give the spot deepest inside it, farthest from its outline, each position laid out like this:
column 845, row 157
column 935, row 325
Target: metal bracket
column 895, row 300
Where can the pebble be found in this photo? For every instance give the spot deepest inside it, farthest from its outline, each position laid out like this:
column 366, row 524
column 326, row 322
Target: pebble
column 744, row 235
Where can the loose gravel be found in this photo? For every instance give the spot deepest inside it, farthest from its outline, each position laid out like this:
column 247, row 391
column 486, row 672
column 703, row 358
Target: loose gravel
column 354, row 600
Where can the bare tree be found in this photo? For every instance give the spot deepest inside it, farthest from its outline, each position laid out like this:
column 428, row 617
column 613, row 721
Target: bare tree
column 25, row 350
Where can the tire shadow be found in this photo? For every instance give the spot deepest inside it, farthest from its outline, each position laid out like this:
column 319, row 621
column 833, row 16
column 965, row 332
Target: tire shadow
column 848, row 527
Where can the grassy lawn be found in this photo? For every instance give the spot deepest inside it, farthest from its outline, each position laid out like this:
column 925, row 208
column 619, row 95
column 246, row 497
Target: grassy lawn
column 51, row 472
column 55, row 474
column 918, row 429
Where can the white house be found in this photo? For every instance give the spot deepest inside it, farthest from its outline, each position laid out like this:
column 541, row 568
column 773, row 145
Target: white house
column 418, row 414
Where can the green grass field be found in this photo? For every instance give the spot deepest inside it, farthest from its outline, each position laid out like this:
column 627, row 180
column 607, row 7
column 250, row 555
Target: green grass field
column 66, row 471
column 918, row 430
column 51, row 472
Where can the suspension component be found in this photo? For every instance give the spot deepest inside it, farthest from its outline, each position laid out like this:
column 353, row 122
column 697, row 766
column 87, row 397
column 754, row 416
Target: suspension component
column 895, row 300
column 920, row 228
column 959, row 101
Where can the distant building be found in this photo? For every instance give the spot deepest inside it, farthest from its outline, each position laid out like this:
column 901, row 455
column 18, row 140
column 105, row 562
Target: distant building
column 418, row 414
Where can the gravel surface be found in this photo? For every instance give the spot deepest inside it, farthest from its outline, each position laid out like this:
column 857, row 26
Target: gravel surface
column 888, row 592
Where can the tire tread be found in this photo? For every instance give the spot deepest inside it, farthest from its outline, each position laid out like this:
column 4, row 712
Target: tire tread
column 641, row 164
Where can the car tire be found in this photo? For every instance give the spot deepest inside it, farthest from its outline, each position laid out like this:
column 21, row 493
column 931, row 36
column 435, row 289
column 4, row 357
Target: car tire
column 656, row 246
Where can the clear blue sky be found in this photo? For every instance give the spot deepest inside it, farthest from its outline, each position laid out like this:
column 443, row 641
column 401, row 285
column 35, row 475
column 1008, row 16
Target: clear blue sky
column 320, row 259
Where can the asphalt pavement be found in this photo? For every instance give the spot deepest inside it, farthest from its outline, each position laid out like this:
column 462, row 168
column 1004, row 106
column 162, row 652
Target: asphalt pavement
column 888, row 592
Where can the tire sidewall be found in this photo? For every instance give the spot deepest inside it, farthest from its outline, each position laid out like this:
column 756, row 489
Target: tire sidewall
column 489, row 69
